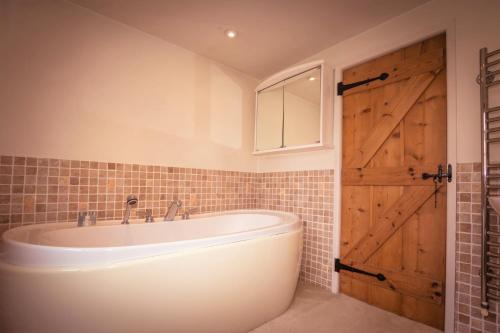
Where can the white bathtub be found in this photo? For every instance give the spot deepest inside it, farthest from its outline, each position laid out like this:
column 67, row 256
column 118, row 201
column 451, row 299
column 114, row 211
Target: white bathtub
column 225, row 272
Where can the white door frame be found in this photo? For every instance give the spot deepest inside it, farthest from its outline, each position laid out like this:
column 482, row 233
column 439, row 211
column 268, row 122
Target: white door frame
column 449, row 29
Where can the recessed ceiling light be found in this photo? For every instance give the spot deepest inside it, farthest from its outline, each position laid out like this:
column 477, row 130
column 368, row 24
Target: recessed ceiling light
column 231, row 33
column 312, row 78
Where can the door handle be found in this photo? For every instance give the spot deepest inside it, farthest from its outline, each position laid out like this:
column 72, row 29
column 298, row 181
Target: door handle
column 438, row 177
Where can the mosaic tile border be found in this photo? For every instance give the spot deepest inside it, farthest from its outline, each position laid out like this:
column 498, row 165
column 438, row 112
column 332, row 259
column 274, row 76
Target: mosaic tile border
column 468, row 316
column 309, row 194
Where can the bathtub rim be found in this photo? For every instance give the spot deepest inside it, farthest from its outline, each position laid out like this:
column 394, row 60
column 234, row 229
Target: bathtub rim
column 19, row 253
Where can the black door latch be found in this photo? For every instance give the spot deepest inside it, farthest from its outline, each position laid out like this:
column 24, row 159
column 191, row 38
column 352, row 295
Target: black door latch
column 339, row 266
column 438, row 177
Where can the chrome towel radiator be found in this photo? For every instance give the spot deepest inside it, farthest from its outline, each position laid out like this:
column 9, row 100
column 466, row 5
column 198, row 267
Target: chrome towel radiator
column 489, row 76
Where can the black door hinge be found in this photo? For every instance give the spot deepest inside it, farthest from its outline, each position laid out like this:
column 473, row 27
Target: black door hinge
column 339, row 266
column 341, row 87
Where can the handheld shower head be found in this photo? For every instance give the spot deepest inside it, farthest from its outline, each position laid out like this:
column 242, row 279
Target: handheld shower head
column 132, row 200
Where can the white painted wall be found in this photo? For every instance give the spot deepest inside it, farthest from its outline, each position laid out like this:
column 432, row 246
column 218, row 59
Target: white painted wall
column 77, row 85
column 476, row 24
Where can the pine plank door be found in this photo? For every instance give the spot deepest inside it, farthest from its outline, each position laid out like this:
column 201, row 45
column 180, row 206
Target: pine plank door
column 392, row 221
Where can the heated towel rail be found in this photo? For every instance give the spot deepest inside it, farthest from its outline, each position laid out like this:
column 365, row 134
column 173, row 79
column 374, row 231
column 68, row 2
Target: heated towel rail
column 489, row 76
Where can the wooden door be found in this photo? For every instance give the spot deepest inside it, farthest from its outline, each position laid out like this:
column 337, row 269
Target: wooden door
column 393, row 131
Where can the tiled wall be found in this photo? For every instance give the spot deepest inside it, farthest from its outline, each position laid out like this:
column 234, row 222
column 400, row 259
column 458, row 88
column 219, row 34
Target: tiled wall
column 308, row 194
column 38, row 190
column 468, row 317
column 46, row 190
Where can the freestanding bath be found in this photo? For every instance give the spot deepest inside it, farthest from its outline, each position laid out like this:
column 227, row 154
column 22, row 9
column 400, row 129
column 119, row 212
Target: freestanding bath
column 226, row 272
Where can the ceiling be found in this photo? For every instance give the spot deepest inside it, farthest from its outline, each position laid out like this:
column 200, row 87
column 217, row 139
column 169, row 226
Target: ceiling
column 272, row 34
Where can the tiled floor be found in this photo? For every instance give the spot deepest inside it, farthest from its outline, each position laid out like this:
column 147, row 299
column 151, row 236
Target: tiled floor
column 318, row 311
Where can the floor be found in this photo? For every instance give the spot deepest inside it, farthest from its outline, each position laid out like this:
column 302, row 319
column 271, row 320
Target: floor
column 316, row 310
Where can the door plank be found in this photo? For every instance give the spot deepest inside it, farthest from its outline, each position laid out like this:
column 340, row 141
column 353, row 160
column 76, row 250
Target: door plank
column 411, row 92
column 430, row 290
column 389, row 256
column 416, row 124
column 348, row 126
column 431, row 258
column 411, row 244
column 386, row 299
column 388, row 176
column 435, row 120
column 389, row 223
column 390, row 155
column 425, row 312
column 383, row 99
column 355, row 215
column 398, row 71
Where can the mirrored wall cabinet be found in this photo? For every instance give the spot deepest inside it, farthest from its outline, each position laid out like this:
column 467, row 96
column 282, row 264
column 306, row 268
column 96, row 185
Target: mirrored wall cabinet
column 293, row 111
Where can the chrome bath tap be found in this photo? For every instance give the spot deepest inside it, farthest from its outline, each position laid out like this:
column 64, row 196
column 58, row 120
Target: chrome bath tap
column 172, row 210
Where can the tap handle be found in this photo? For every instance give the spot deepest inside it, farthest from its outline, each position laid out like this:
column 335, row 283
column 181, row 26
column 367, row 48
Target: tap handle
column 187, row 213
column 149, row 215
column 81, row 218
column 92, row 217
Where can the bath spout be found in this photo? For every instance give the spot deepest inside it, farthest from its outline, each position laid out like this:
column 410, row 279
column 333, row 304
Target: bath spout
column 172, row 210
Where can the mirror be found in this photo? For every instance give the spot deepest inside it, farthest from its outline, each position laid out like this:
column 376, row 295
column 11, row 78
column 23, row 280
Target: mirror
column 289, row 112
column 270, row 118
column 302, row 95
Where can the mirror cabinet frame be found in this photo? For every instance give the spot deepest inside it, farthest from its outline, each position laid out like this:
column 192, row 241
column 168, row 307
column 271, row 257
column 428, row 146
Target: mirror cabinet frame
column 326, row 107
